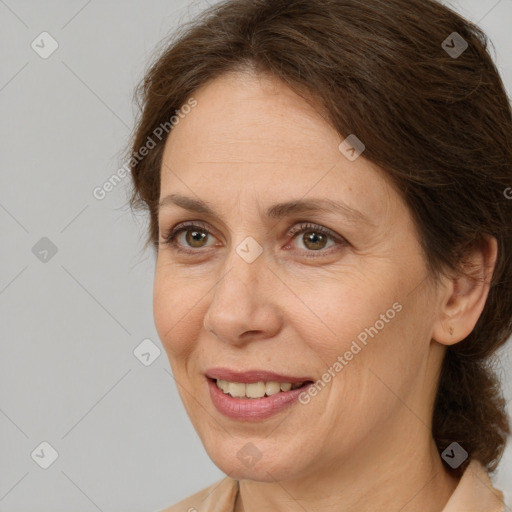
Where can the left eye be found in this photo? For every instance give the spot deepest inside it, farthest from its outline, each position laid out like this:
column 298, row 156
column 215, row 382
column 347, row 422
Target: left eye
column 315, row 237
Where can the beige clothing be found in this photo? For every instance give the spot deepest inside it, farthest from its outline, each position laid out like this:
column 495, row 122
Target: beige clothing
column 474, row 493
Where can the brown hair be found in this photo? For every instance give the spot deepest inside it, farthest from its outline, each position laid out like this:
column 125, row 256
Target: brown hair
column 439, row 125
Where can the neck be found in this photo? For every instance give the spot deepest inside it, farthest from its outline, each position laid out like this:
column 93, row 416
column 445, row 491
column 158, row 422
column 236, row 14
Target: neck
column 409, row 480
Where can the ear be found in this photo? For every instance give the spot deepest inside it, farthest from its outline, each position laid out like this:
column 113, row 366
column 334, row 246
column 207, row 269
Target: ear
column 462, row 299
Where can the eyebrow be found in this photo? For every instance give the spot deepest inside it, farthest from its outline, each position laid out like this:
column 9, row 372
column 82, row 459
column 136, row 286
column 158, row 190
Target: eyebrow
column 276, row 211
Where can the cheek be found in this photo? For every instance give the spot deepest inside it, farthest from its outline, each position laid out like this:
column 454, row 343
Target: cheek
column 363, row 327
column 382, row 355
column 343, row 311
column 177, row 313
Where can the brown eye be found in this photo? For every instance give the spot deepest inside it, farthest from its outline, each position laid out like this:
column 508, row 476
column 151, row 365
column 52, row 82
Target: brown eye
column 314, row 241
column 315, row 238
column 195, row 238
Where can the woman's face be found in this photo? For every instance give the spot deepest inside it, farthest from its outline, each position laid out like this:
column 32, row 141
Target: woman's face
column 346, row 297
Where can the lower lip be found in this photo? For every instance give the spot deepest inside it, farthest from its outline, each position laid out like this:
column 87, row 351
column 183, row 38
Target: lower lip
column 252, row 408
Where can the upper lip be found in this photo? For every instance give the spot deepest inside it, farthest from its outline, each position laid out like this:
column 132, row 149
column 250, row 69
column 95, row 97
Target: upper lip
column 251, row 376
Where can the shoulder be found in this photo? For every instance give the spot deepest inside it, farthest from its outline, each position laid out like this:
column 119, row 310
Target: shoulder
column 217, row 497
column 475, row 492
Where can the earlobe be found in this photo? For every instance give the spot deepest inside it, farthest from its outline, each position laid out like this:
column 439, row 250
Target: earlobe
column 463, row 300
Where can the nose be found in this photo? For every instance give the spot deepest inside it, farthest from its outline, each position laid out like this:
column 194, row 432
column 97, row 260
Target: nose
column 243, row 307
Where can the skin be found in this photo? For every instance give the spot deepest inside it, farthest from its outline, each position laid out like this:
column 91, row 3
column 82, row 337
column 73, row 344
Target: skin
column 364, row 442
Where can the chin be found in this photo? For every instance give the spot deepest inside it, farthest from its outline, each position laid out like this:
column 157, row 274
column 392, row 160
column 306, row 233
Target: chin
column 240, row 460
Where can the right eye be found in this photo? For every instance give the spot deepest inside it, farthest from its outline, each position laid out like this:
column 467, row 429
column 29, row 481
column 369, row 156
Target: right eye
column 195, row 235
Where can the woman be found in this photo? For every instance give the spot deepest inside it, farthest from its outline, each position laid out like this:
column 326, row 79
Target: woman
column 326, row 186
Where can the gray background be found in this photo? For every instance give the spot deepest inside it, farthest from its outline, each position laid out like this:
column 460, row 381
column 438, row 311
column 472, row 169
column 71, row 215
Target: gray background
column 69, row 325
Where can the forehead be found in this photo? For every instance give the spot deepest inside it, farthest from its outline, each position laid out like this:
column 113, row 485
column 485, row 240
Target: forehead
column 253, row 135
column 243, row 114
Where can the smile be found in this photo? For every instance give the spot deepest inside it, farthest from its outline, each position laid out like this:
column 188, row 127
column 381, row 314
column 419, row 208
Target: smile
column 255, row 400
column 255, row 389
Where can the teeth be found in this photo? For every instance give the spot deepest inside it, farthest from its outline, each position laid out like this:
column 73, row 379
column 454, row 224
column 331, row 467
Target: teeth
column 255, row 389
column 236, row 389
column 271, row 388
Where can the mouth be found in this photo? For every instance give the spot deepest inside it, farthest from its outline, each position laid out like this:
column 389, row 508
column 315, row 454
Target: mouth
column 255, row 390
column 253, row 395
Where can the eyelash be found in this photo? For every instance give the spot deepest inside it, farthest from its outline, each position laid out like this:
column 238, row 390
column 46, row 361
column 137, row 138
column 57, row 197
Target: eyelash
column 170, row 236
